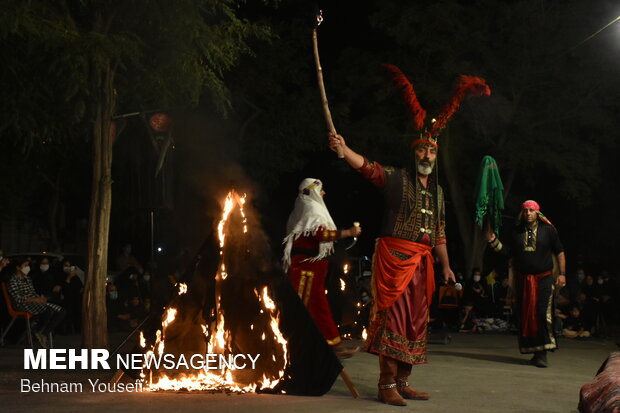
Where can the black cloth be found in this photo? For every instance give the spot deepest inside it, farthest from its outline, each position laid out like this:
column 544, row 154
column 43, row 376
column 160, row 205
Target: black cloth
column 540, row 259
column 545, row 339
column 313, row 366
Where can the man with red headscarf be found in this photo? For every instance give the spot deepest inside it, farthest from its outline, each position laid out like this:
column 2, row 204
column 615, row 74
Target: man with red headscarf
column 403, row 277
column 533, row 247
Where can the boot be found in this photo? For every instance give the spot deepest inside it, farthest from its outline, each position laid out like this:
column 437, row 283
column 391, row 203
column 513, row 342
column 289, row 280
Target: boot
column 402, row 376
column 387, row 384
column 539, row 359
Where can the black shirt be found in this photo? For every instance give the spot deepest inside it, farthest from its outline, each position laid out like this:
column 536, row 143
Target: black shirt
column 532, row 250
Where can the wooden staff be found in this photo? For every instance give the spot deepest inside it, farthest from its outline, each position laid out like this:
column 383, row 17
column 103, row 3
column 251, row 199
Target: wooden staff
column 319, row 76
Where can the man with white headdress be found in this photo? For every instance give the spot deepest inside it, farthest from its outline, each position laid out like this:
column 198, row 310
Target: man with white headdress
column 311, row 233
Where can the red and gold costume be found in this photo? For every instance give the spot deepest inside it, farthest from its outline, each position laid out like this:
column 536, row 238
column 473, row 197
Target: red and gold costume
column 413, row 224
column 403, row 277
column 311, row 234
column 308, row 279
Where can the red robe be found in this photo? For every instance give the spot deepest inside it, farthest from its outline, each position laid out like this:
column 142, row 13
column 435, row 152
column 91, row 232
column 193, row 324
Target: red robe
column 308, row 279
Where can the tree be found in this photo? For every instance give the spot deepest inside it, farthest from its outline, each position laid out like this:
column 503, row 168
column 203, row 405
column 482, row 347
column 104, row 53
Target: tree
column 95, row 57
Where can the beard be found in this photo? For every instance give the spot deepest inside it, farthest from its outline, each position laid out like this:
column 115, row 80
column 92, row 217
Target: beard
column 425, row 168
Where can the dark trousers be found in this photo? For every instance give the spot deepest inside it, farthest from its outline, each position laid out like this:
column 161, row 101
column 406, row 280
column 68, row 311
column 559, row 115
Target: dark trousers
column 50, row 319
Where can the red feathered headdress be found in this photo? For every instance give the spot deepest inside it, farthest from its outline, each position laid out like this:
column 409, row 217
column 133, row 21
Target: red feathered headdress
column 467, row 85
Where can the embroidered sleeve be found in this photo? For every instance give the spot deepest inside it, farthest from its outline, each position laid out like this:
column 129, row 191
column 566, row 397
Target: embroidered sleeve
column 326, row 235
column 497, row 246
column 440, row 223
column 374, row 172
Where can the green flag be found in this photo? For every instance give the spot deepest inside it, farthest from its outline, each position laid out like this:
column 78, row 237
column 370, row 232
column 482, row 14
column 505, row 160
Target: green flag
column 489, row 194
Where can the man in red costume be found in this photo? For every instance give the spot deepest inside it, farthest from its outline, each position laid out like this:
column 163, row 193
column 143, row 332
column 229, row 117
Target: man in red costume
column 413, row 226
column 311, row 233
column 403, row 277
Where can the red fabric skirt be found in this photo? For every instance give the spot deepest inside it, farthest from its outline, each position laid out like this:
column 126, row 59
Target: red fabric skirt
column 308, row 279
column 400, row 330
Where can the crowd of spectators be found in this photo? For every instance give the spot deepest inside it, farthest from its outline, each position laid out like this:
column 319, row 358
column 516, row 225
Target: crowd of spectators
column 47, row 286
column 585, row 307
column 588, row 304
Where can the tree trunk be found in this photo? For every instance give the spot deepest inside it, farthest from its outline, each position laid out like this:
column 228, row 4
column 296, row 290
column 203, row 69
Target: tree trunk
column 461, row 209
column 94, row 323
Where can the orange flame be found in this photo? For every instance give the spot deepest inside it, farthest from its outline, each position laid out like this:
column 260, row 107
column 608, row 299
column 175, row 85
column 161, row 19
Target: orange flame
column 219, row 340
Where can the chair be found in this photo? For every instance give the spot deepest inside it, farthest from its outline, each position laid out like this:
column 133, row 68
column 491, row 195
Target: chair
column 15, row 315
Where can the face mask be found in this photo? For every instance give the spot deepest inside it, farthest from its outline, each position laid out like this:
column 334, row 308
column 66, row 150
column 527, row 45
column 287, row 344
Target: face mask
column 476, row 278
column 1, row 257
column 26, row 270
column 44, row 267
column 147, row 278
column 127, row 250
column 599, row 282
column 133, row 277
column 581, row 277
column 113, row 295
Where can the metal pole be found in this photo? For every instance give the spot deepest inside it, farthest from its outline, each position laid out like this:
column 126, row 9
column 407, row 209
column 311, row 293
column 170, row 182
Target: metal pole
column 152, row 263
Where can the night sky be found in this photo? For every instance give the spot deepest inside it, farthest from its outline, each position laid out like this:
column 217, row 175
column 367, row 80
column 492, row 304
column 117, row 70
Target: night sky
column 551, row 123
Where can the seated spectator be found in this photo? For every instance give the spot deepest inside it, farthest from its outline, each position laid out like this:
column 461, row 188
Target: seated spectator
column 128, row 284
column 125, row 260
column 591, row 289
column 573, row 325
column 47, row 281
column 131, row 314
column 4, row 263
column 589, row 309
column 72, row 290
column 114, row 305
column 25, row 298
column 502, row 296
column 467, row 318
column 475, row 293
column 574, row 283
column 606, row 296
column 562, row 312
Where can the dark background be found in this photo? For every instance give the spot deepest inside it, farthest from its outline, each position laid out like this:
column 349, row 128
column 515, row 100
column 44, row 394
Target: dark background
column 551, row 123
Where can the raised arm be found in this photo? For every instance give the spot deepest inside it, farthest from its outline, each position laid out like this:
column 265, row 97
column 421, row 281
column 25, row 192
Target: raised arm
column 353, row 158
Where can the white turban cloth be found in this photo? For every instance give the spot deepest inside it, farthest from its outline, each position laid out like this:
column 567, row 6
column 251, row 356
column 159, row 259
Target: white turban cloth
column 308, row 215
